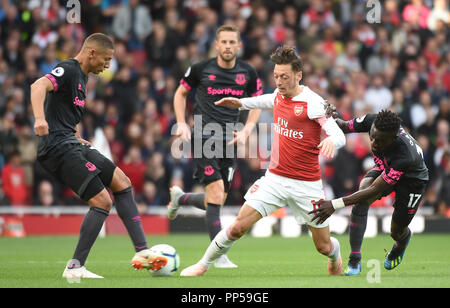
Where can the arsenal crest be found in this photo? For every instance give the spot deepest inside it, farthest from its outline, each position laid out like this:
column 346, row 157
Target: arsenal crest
column 240, row 79
column 298, row 110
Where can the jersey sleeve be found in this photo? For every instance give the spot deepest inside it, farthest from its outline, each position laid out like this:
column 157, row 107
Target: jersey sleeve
column 316, row 107
column 361, row 124
column 62, row 74
column 264, row 101
column 254, row 87
column 191, row 78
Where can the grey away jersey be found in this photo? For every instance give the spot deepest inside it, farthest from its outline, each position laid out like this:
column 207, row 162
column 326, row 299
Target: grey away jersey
column 401, row 160
column 64, row 106
column 213, row 83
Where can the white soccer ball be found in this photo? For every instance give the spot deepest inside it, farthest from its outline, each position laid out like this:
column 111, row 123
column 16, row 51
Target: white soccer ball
column 173, row 260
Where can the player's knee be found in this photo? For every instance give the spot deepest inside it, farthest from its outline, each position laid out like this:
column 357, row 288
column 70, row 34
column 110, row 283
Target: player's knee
column 102, row 200
column 237, row 230
column 123, row 180
column 324, row 248
column 215, row 193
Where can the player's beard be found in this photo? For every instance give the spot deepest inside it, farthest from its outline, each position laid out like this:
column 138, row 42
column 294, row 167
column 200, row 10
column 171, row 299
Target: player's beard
column 228, row 59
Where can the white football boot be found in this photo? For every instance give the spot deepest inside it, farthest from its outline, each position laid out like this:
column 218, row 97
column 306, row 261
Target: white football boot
column 149, row 260
column 193, row 270
column 80, row 272
column 224, row 262
column 172, row 209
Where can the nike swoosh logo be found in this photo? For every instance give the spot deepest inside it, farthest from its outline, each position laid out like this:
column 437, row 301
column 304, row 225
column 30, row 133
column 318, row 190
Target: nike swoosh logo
column 220, row 247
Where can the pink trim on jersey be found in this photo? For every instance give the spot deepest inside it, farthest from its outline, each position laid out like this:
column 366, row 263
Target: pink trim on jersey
column 350, row 125
column 53, row 80
column 392, row 177
column 185, row 84
column 321, row 120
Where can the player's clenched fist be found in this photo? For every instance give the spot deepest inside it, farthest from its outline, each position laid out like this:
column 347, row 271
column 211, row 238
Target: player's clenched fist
column 41, row 127
column 183, row 131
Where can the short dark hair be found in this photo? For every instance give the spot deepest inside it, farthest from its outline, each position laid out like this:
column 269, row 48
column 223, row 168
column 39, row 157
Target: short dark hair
column 287, row 55
column 228, row 28
column 99, row 39
column 387, row 121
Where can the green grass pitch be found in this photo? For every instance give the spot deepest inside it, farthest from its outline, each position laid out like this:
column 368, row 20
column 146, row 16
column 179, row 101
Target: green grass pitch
column 275, row 262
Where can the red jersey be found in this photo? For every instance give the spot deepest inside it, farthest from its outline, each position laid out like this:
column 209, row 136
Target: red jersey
column 297, row 134
column 14, row 184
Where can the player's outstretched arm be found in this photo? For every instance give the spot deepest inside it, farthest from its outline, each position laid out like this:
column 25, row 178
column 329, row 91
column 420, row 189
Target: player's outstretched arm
column 325, row 208
column 248, row 103
column 231, row 102
column 39, row 90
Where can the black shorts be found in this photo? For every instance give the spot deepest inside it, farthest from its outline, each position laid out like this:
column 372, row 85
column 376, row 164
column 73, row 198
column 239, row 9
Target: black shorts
column 209, row 170
column 408, row 195
column 76, row 165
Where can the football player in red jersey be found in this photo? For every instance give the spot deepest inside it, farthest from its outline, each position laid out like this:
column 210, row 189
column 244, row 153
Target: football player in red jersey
column 293, row 176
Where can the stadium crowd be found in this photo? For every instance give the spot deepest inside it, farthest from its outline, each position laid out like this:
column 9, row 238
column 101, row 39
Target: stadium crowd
column 359, row 59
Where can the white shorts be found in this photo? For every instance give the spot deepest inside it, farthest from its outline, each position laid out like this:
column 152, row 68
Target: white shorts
column 272, row 192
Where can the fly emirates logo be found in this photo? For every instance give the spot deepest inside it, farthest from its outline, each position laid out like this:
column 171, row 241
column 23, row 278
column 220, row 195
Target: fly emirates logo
column 281, row 127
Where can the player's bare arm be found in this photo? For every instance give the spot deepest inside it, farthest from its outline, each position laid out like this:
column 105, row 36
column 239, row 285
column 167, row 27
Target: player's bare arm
column 78, row 135
column 327, row 207
column 242, row 135
column 179, row 105
column 231, row 102
column 39, row 91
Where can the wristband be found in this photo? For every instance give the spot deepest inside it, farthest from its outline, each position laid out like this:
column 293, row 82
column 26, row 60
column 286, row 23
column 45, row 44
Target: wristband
column 338, row 203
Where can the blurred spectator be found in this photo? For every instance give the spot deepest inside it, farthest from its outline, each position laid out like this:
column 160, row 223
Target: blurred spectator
column 416, row 13
column 378, row 96
column 13, row 179
column 345, row 179
column 319, row 12
column 27, row 149
column 132, row 23
column 3, row 198
column 134, row 167
column 440, row 12
column 149, row 195
column 44, row 35
column 157, row 173
column 45, row 195
column 443, row 204
column 349, row 59
column 8, row 136
column 50, row 60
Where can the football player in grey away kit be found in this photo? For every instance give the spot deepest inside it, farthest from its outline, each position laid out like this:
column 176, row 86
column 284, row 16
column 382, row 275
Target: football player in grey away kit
column 214, row 78
column 58, row 100
column 400, row 167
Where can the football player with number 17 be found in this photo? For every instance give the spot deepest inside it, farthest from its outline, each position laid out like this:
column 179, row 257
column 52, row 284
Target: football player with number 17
column 399, row 167
column 294, row 176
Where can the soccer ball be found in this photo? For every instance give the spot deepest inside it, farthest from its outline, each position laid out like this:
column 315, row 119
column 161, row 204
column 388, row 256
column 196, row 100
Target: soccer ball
column 173, row 260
